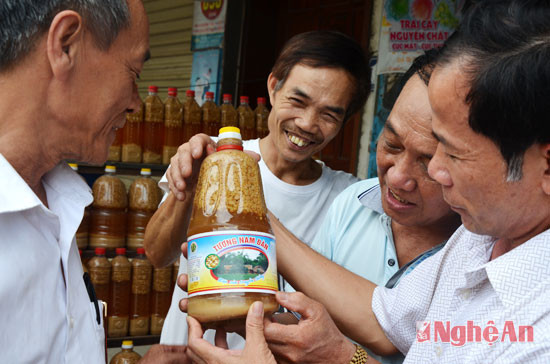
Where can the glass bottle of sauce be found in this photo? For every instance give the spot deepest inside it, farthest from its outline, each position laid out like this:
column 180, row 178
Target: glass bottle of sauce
column 228, row 113
column 161, row 297
column 142, row 272
column 127, row 355
column 99, row 269
column 153, row 127
column 118, row 310
column 132, row 136
column 192, row 115
column 144, row 197
column 262, row 114
column 108, row 216
column 247, row 122
column 210, row 116
column 231, row 248
column 173, row 118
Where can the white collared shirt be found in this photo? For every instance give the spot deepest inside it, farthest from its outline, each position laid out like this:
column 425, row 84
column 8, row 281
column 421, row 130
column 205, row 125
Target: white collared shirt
column 459, row 307
column 45, row 312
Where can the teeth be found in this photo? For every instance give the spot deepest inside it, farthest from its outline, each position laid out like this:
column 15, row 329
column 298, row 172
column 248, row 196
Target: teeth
column 298, row 141
column 398, row 198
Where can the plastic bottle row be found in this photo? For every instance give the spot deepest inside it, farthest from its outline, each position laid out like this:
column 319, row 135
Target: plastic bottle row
column 117, row 219
column 138, row 296
column 153, row 133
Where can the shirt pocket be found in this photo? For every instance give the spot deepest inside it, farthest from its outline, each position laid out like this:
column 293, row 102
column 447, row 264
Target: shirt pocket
column 98, row 328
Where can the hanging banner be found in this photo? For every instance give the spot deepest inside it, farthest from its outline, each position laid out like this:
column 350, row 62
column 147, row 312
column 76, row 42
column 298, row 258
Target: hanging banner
column 206, row 74
column 208, row 24
column 412, row 26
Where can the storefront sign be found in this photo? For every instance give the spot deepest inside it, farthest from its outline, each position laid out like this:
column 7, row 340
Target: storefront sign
column 208, row 24
column 412, row 26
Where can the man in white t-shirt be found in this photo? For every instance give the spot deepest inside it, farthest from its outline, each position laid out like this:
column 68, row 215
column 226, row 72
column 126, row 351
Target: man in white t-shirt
column 319, row 80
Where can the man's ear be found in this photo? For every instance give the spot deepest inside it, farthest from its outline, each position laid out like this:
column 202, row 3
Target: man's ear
column 545, row 149
column 64, row 40
column 271, row 83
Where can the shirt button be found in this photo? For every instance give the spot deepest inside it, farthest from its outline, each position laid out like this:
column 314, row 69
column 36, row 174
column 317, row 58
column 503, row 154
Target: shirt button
column 391, row 262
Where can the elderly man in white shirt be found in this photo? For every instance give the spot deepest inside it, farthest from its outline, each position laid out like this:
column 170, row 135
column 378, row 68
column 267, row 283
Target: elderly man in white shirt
column 484, row 297
column 68, row 72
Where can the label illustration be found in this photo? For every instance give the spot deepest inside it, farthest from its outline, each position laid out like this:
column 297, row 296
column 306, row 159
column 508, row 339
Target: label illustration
column 231, row 261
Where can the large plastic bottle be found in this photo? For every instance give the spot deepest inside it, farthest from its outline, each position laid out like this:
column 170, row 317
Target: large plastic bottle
column 83, row 228
column 108, row 216
column 247, row 122
column 228, row 113
column 115, row 150
column 118, row 312
column 210, row 116
column 153, row 127
column 262, row 115
column 191, row 116
column 173, row 119
column 127, row 355
column 161, row 297
column 144, row 197
column 99, row 269
column 132, row 135
column 231, row 248
column 142, row 272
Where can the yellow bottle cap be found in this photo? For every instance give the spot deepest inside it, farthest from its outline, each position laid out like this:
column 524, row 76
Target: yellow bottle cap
column 229, row 129
column 230, row 132
column 110, row 169
column 145, row 171
column 127, row 344
column 73, row 166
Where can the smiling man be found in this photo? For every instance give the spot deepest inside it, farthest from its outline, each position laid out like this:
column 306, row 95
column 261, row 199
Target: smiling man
column 319, row 80
column 68, row 70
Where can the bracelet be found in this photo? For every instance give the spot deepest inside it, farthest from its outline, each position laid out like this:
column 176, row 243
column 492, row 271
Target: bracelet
column 360, row 356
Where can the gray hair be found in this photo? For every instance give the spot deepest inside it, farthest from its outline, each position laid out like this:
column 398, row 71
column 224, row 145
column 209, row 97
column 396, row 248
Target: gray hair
column 24, row 21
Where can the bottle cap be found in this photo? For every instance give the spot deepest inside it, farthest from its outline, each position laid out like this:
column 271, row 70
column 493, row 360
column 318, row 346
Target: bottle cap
column 172, row 91
column 190, row 93
column 227, row 97
column 140, row 250
column 210, row 95
column 230, row 132
column 261, row 100
column 110, row 169
column 127, row 344
column 73, row 166
column 99, row 251
column 120, row 251
column 145, row 171
column 153, row 89
column 244, row 99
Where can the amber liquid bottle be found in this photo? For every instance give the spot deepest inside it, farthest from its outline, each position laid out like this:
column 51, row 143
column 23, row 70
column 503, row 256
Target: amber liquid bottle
column 161, row 297
column 144, row 196
column 108, row 216
column 247, row 122
column 262, row 115
column 192, row 115
column 100, row 274
column 115, row 150
column 118, row 312
column 153, row 127
column 132, row 136
column 228, row 113
column 210, row 116
column 231, row 250
column 142, row 272
column 173, row 119
column 127, row 355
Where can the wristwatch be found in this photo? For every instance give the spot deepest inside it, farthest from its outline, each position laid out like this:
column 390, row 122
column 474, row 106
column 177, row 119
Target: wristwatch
column 360, row 356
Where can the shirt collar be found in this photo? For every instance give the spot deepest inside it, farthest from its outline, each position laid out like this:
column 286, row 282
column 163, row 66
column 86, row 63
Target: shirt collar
column 16, row 195
column 372, row 198
column 519, row 271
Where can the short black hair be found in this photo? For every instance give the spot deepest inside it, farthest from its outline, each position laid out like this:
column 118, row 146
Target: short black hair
column 504, row 46
column 327, row 49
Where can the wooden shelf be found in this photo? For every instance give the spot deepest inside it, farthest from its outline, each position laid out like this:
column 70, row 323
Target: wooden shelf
column 122, row 168
column 116, row 342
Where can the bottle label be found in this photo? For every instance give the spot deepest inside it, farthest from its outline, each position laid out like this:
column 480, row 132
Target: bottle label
column 231, row 261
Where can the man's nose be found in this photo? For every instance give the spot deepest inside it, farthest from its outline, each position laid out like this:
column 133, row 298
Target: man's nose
column 308, row 121
column 437, row 170
column 400, row 176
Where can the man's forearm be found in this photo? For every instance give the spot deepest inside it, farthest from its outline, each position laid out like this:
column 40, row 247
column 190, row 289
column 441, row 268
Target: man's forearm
column 346, row 296
column 167, row 229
